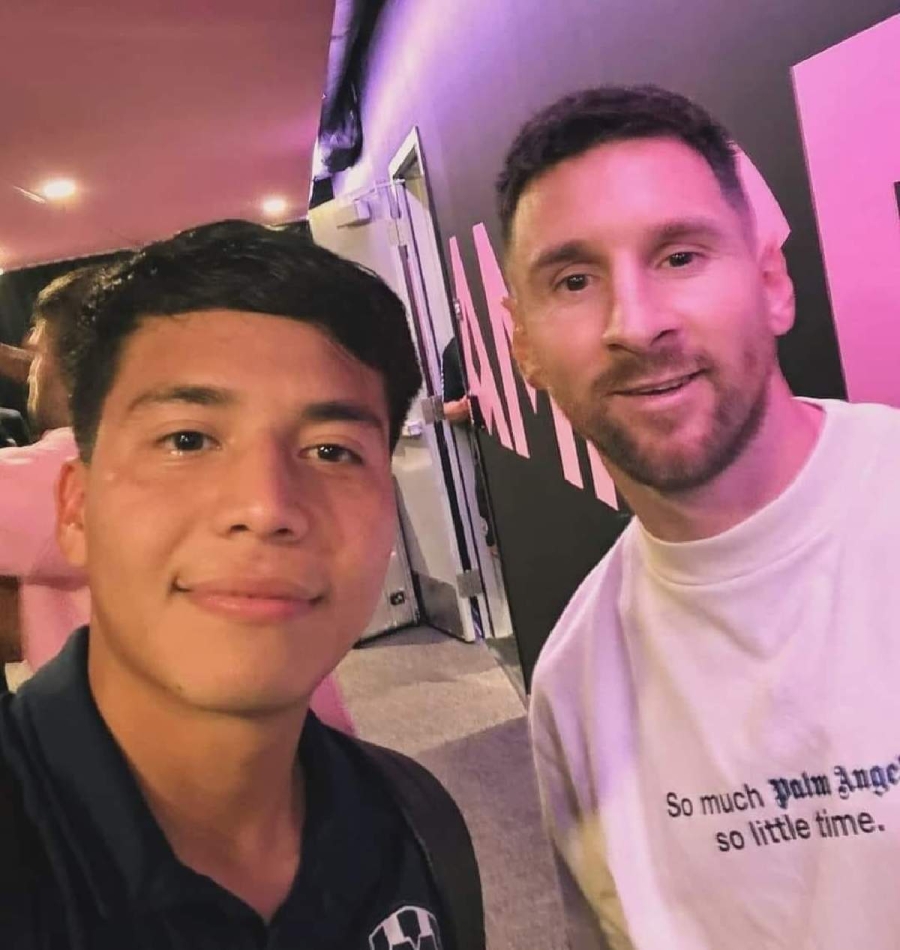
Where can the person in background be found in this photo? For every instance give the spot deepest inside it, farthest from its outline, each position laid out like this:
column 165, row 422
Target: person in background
column 46, row 598
column 453, row 385
column 237, row 396
column 713, row 716
column 13, row 428
column 458, row 411
column 14, row 365
column 43, row 597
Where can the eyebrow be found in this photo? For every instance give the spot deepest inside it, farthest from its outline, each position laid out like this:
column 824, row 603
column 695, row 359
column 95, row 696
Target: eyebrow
column 566, row 253
column 577, row 251
column 690, row 228
column 341, row 410
column 189, row 395
column 327, row 410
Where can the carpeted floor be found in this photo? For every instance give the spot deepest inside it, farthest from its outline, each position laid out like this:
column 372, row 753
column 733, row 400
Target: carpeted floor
column 449, row 705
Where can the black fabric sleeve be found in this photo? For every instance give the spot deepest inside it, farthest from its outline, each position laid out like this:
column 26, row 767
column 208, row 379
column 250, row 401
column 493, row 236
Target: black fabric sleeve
column 453, row 385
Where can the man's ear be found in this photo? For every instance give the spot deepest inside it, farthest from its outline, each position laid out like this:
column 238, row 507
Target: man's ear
column 70, row 507
column 778, row 288
column 521, row 346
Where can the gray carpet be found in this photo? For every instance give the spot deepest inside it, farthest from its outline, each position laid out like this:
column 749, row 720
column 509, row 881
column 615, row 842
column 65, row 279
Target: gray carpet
column 450, row 706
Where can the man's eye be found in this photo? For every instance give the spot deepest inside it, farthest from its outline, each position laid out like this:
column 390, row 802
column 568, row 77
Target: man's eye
column 330, row 452
column 186, row 441
column 574, row 283
column 681, row 259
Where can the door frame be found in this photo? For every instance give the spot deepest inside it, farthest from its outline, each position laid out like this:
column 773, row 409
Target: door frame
column 436, row 304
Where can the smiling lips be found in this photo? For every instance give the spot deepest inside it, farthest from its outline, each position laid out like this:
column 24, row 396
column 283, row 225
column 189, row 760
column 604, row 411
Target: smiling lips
column 251, row 600
column 660, row 388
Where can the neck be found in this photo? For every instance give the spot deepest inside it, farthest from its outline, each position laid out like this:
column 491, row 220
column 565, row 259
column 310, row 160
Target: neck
column 767, row 466
column 226, row 790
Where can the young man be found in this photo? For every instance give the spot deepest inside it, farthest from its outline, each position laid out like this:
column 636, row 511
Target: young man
column 237, row 395
column 43, row 597
column 713, row 715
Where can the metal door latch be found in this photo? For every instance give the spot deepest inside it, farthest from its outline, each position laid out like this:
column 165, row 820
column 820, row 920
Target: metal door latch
column 432, row 410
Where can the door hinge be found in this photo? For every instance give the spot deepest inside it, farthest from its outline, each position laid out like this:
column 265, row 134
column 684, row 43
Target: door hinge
column 469, row 584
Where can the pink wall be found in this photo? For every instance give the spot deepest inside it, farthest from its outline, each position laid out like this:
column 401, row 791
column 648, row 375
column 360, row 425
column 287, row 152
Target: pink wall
column 848, row 98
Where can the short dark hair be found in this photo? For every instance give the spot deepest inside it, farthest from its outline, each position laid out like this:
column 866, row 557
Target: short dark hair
column 583, row 120
column 239, row 265
column 58, row 306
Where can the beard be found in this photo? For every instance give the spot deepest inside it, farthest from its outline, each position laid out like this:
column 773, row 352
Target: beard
column 660, row 457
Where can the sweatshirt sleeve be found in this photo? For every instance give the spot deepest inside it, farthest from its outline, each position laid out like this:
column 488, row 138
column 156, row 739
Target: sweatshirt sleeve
column 28, row 475
column 560, row 816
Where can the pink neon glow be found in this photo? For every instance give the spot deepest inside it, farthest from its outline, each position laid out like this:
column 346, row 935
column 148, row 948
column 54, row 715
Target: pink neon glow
column 849, row 102
column 481, row 384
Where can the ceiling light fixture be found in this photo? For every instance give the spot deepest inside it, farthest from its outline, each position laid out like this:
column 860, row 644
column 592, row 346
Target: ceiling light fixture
column 274, row 206
column 58, row 189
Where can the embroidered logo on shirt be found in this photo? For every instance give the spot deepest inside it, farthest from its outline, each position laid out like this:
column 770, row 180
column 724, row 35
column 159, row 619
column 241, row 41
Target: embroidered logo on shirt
column 410, row 928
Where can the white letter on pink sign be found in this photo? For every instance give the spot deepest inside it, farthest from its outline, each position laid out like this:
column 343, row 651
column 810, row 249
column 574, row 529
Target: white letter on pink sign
column 849, row 103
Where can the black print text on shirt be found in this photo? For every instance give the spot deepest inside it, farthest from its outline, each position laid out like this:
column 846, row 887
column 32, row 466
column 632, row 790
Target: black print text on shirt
column 811, row 793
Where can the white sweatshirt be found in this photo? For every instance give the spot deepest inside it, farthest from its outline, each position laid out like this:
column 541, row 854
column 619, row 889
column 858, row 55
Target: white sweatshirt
column 716, row 724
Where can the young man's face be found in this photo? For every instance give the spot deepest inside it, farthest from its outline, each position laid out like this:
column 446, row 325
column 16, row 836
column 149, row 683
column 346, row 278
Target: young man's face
column 48, row 400
column 238, row 511
column 642, row 303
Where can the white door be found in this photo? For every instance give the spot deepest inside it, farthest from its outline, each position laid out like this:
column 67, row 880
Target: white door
column 366, row 231
column 433, row 310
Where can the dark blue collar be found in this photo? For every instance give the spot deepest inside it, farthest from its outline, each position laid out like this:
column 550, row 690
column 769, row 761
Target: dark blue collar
column 79, row 789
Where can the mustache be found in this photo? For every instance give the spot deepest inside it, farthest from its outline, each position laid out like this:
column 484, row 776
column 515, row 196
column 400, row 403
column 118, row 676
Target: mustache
column 630, row 370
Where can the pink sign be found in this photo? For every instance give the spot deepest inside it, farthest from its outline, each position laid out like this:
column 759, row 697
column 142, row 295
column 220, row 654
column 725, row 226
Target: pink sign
column 848, row 98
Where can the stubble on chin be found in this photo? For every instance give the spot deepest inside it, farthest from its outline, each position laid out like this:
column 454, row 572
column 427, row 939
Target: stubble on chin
column 656, row 460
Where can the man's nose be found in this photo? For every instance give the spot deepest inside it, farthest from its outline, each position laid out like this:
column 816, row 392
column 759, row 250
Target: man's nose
column 266, row 493
column 639, row 314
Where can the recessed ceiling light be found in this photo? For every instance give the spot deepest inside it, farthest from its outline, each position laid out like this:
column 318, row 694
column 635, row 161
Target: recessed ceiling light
column 274, row 207
column 57, row 189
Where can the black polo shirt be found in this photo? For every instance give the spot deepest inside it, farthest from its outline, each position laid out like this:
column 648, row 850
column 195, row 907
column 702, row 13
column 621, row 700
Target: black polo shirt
column 107, row 878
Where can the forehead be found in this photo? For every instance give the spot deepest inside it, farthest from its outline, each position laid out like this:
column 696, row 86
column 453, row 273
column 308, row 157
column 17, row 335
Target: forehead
column 264, row 359
column 615, row 190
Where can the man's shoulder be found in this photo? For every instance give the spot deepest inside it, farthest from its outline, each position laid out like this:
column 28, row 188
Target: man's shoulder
column 868, row 436
column 590, row 611
column 863, row 418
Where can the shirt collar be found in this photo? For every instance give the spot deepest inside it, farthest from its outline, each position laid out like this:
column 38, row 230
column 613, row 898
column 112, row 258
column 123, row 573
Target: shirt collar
column 802, row 512
column 85, row 787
